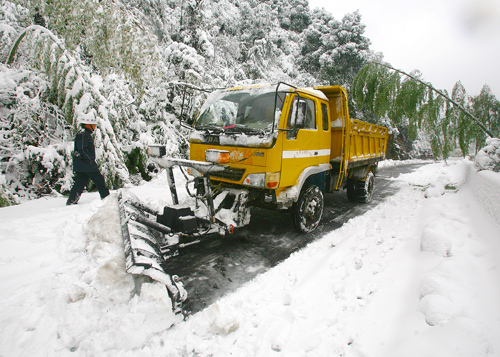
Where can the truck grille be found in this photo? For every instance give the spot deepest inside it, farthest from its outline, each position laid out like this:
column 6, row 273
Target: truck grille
column 231, row 173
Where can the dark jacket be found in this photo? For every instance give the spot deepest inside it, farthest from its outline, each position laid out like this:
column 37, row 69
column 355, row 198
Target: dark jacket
column 84, row 153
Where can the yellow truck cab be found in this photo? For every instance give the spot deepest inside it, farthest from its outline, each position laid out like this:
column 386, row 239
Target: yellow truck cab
column 286, row 146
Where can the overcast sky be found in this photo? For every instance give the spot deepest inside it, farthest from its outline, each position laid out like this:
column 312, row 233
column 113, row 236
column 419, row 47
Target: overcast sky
column 447, row 40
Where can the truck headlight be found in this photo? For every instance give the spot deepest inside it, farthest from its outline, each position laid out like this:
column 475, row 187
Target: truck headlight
column 255, row 180
column 263, row 180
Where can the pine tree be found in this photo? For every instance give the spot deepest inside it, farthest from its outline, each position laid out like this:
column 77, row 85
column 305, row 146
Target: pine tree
column 346, row 52
column 318, row 38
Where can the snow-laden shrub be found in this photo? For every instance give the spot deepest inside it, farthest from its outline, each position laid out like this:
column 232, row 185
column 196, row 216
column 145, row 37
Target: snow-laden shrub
column 81, row 95
column 488, row 158
column 12, row 17
column 185, row 62
column 47, row 168
column 33, row 137
column 6, row 198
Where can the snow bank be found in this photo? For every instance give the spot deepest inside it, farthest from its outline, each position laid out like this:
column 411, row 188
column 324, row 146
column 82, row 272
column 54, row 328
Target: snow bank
column 486, row 188
column 64, row 286
column 458, row 295
column 488, row 158
column 486, row 183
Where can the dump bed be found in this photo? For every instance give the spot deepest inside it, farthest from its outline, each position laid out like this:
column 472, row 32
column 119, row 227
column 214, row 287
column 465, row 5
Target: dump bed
column 354, row 142
column 366, row 142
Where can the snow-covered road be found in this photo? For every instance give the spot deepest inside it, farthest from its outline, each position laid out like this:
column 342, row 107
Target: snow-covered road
column 417, row 275
column 215, row 269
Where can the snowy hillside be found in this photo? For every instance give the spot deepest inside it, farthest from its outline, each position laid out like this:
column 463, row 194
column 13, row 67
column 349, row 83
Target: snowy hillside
column 416, row 275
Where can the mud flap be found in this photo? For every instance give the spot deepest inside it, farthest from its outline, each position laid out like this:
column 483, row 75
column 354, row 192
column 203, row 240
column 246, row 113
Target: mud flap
column 143, row 246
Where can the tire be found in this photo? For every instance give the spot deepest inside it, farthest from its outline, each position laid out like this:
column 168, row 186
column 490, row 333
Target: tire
column 308, row 210
column 365, row 189
column 361, row 191
column 351, row 190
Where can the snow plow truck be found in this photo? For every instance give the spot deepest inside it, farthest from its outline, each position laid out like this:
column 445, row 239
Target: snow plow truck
column 272, row 146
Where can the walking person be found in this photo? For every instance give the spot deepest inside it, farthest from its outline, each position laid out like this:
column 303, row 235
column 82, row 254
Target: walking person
column 84, row 164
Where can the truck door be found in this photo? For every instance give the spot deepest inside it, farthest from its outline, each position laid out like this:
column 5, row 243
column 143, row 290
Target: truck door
column 307, row 139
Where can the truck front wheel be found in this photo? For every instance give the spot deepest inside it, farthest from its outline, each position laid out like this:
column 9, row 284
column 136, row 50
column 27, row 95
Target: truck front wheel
column 308, row 210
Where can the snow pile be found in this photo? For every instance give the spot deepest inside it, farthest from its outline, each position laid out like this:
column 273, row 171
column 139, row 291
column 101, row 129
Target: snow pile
column 64, row 284
column 104, row 282
column 486, row 188
column 458, row 294
column 416, row 275
column 488, row 158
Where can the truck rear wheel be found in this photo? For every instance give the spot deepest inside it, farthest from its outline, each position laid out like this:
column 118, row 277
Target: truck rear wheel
column 308, row 210
column 361, row 191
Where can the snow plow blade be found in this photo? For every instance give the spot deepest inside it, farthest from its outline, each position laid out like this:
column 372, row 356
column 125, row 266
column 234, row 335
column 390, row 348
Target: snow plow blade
column 152, row 237
column 145, row 249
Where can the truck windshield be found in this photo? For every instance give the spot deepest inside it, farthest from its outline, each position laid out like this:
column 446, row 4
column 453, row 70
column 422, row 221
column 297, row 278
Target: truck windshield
column 250, row 110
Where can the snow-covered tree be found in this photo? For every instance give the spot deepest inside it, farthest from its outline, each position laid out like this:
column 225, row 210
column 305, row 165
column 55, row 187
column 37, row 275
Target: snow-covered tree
column 348, row 50
column 12, row 19
column 335, row 50
column 293, row 15
column 486, row 107
column 105, row 33
column 317, row 39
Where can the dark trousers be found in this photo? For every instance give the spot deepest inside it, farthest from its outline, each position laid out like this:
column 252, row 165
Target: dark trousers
column 81, row 179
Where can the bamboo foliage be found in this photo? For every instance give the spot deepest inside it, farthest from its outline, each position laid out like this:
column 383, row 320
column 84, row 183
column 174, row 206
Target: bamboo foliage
column 105, row 33
column 72, row 89
column 125, row 123
column 405, row 100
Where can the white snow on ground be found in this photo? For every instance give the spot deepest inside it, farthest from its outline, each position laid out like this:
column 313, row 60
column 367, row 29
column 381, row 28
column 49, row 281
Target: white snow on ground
column 417, row 275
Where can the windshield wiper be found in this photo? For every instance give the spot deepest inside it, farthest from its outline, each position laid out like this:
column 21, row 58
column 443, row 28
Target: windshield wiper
column 239, row 128
column 209, row 128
